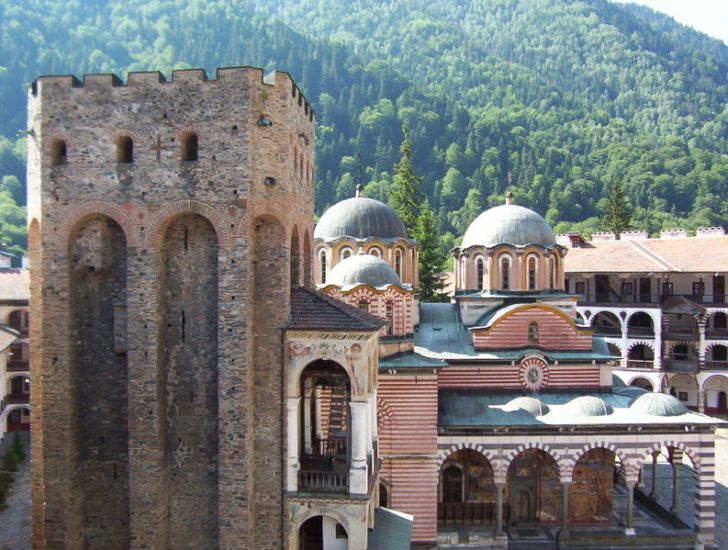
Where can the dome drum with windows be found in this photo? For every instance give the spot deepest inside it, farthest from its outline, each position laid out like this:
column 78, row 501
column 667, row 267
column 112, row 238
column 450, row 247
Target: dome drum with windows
column 367, row 224
column 509, row 248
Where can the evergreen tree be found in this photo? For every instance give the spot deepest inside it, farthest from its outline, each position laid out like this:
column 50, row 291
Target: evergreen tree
column 405, row 195
column 617, row 215
column 431, row 257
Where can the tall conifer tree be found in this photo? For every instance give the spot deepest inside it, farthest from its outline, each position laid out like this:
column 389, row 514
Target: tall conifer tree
column 405, row 195
column 431, row 256
column 617, row 215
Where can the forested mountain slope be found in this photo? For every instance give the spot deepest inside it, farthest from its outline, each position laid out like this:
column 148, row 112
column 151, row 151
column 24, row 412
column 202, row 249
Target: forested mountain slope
column 557, row 97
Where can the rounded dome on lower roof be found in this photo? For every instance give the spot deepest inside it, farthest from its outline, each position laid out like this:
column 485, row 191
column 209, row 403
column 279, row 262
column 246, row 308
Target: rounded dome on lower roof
column 589, row 405
column 529, row 404
column 658, row 404
column 509, row 224
column 363, row 269
column 360, row 218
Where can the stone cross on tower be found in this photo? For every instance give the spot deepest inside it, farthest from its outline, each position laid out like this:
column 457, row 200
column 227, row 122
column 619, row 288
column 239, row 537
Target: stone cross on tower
column 158, row 148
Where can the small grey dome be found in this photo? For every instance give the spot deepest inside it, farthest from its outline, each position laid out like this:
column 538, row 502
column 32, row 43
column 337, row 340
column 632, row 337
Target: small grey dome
column 658, row 404
column 363, row 269
column 529, row 404
column 360, row 218
column 509, row 224
column 589, row 405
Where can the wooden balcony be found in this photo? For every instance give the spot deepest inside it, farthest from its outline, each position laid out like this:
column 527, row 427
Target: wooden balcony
column 680, row 333
column 609, row 332
column 18, row 366
column 640, row 363
column 641, row 332
column 322, row 481
column 688, row 366
column 717, row 334
column 17, row 399
column 716, row 365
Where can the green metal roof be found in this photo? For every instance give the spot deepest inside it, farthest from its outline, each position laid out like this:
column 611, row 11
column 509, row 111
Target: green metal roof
column 392, row 530
column 409, row 360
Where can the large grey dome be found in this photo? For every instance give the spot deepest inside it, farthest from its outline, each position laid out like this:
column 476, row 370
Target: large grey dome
column 658, row 404
column 360, row 218
column 363, row 269
column 509, row 224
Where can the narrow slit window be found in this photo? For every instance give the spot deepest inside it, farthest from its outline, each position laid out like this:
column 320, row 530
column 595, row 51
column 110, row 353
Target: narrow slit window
column 125, row 150
column 189, row 147
column 59, row 153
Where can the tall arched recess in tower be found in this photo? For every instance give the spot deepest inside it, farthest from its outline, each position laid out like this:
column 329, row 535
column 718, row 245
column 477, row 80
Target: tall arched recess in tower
column 270, row 298
column 188, row 379
column 97, row 281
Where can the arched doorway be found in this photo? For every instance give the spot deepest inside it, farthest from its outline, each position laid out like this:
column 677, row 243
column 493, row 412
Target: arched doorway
column 716, row 394
column 325, row 423
column 591, row 493
column 467, row 489
column 685, row 388
column 533, row 489
column 322, row 533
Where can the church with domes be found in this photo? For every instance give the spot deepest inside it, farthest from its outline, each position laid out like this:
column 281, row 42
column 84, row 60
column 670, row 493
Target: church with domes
column 497, row 414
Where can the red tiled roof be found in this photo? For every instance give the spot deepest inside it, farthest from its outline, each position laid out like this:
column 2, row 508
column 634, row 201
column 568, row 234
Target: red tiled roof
column 14, row 284
column 313, row 310
column 669, row 255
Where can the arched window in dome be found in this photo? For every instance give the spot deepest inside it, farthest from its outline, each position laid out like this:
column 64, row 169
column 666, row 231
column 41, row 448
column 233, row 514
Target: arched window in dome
column 390, row 317
column 505, row 272
column 533, row 332
column 398, row 262
column 374, row 251
column 532, row 273
column 322, row 260
column 346, row 253
column 552, row 273
column 480, row 271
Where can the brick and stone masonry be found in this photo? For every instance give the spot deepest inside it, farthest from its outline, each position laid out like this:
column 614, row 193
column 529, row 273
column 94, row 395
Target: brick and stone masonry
column 166, row 221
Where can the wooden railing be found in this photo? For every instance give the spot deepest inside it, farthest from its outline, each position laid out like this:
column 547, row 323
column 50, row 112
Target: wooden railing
column 640, row 363
column 322, row 481
column 689, row 366
column 17, row 399
column 473, row 513
column 716, row 364
column 17, row 366
column 640, row 331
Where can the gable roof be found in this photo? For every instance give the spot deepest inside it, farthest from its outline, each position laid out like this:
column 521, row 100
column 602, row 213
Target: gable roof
column 313, row 310
column 668, row 255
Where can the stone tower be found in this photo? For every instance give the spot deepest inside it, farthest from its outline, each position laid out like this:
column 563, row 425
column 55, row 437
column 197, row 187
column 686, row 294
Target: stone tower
column 168, row 222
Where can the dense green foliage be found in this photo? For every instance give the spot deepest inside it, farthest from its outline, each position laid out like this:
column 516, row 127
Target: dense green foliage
column 616, row 216
column 557, row 97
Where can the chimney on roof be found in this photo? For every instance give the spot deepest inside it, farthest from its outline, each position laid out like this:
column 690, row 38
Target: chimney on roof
column 359, row 190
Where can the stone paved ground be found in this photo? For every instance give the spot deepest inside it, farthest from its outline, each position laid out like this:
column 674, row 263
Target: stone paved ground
column 15, row 521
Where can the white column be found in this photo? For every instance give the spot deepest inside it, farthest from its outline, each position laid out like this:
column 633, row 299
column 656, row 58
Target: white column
column 292, row 462
column 307, row 427
column 358, row 483
column 370, row 432
column 317, row 404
